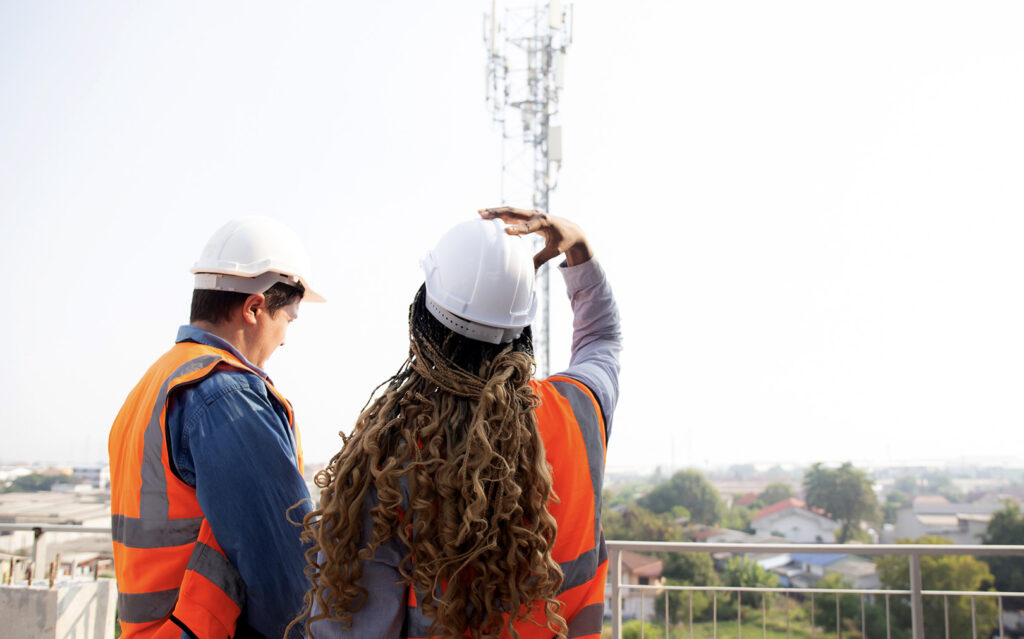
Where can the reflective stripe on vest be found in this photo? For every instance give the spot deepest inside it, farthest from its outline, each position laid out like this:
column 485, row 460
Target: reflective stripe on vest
column 168, row 563
column 584, row 575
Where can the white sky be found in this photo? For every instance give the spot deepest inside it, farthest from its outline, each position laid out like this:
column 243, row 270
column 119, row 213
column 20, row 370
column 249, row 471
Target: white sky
column 812, row 212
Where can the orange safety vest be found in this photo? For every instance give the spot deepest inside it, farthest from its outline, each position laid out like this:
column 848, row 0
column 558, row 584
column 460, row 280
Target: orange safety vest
column 171, row 573
column 572, row 427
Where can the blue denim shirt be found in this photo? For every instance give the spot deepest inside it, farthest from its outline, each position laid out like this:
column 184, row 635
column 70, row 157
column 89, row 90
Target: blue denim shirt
column 233, row 444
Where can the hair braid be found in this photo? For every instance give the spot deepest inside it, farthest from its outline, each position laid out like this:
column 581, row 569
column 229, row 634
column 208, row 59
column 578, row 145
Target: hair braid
column 457, row 426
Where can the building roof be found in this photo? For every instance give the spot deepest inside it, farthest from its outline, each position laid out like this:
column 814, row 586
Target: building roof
column 46, row 507
column 745, row 500
column 816, row 559
column 949, row 521
column 641, row 565
column 853, row 567
column 779, row 506
column 979, row 518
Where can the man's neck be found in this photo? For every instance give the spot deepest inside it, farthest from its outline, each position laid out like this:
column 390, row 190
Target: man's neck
column 227, row 331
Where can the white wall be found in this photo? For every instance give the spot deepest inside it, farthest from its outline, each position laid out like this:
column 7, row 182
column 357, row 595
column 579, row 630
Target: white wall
column 795, row 526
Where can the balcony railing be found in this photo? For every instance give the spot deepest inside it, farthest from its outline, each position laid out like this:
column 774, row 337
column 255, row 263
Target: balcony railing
column 916, row 593
column 913, row 552
column 37, row 566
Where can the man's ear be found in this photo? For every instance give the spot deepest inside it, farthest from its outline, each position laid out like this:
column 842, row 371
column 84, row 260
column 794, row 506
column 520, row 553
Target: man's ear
column 252, row 307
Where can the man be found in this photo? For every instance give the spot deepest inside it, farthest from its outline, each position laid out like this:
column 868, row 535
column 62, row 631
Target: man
column 205, row 460
column 467, row 500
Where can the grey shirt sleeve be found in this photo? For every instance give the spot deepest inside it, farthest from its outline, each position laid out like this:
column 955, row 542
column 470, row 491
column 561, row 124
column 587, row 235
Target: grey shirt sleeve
column 383, row 615
column 597, row 335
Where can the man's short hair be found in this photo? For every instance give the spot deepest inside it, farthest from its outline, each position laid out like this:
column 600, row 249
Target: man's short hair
column 216, row 306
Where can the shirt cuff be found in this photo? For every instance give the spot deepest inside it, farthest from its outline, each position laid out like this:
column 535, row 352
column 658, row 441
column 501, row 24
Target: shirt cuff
column 582, row 275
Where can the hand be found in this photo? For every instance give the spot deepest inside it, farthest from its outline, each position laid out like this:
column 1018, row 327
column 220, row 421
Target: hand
column 560, row 235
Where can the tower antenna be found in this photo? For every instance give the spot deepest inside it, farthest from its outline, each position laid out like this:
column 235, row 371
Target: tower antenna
column 526, row 48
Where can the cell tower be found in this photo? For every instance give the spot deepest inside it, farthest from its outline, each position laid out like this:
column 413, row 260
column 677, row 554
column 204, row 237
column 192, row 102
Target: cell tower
column 526, row 49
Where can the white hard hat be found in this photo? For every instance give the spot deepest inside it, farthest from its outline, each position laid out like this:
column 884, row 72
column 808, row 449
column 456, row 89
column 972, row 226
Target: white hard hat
column 480, row 282
column 251, row 254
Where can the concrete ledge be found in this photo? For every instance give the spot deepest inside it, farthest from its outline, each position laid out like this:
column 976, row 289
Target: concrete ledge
column 78, row 609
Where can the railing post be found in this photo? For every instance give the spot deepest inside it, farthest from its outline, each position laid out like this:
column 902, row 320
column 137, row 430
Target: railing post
column 38, row 554
column 916, row 602
column 616, row 578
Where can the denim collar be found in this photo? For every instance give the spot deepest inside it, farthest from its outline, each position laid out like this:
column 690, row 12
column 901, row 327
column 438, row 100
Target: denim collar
column 189, row 333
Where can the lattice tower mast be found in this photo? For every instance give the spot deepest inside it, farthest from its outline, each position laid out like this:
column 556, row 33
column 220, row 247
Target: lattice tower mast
column 526, row 49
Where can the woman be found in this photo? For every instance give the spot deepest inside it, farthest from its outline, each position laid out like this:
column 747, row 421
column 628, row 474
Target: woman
column 466, row 501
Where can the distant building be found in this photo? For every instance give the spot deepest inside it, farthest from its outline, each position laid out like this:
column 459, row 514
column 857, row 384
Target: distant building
column 745, row 500
column 791, row 519
column 935, row 515
column 805, row 570
column 87, row 509
column 641, row 570
column 95, row 476
column 714, row 535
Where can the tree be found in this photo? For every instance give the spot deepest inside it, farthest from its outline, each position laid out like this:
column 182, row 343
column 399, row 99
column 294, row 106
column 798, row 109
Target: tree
column 1006, row 528
column 33, row 483
column 949, row 572
column 774, row 493
column 895, row 501
column 845, row 494
column 742, row 572
column 689, row 489
column 825, row 609
column 907, row 484
column 737, row 518
column 634, row 523
column 679, row 602
column 695, row 568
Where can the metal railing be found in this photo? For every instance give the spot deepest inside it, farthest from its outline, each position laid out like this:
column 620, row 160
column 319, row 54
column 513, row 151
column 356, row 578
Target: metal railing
column 914, row 552
column 916, row 593
column 38, row 563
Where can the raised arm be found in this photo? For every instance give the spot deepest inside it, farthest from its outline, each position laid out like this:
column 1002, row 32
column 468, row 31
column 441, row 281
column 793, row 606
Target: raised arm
column 597, row 336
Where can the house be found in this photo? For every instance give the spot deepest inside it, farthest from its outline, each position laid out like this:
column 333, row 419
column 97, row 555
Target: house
column 745, row 500
column 714, row 535
column 935, row 515
column 806, row 570
column 641, row 570
column 791, row 519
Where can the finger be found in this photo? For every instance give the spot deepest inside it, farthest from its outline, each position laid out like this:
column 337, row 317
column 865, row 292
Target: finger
column 544, row 255
column 522, row 228
column 508, row 213
column 536, row 224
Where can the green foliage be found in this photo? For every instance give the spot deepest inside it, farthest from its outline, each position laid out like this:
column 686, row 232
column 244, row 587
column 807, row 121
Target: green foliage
column 633, row 629
column 737, row 518
column 774, row 493
column 1006, row 528
column 634, row 523
column 689, row 489
column 625, row 492
column 950, row 572
column 747, row 573
column 941, row 484
column 845, row 494
column 932, row 483
column 895, row 501
column 907, row 485
column 33, row 483
column 825, row 605
column 694, row 568
column 679, row 603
